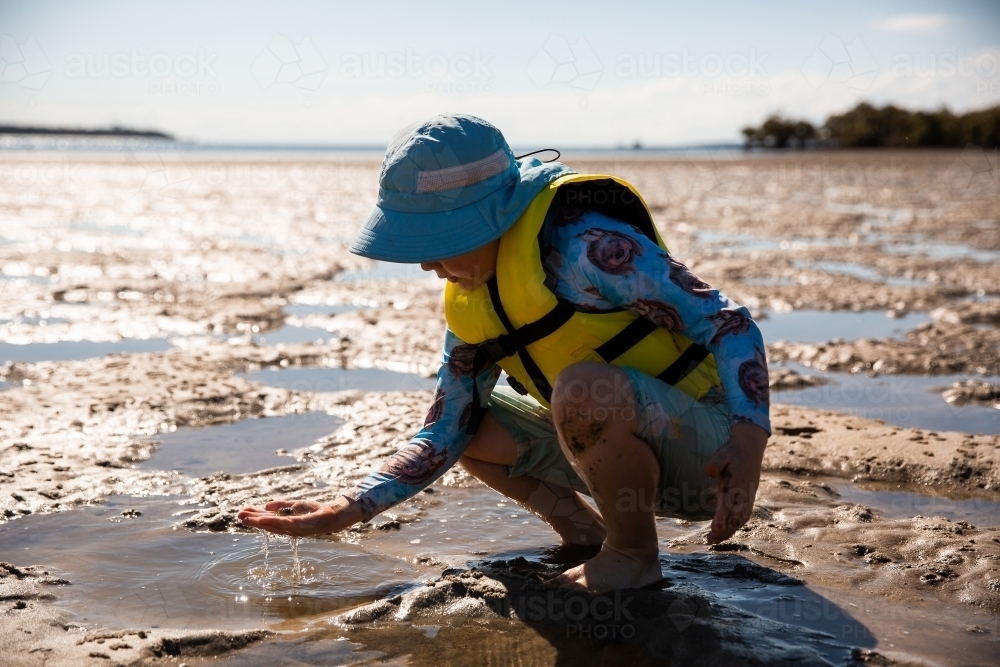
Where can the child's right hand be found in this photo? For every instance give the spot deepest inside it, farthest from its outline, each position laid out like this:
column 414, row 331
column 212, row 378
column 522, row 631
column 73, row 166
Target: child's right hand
column 302, row 518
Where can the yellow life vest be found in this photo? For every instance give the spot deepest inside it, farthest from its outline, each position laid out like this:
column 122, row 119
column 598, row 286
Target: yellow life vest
column 533, row 335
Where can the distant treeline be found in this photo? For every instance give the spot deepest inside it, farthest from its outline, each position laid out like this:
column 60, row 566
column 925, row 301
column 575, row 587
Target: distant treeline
column 77, row 132
column 866, row 126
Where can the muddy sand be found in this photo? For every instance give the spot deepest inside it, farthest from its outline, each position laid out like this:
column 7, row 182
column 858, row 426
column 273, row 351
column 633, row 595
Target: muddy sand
column 185, row 336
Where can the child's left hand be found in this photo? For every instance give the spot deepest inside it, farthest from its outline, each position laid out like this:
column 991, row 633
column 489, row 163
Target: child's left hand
column 737, row 465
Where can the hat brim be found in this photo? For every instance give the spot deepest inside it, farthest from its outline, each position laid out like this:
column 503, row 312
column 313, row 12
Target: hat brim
column 396, row 236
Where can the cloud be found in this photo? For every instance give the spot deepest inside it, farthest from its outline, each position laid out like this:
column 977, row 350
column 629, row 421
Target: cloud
column 913, row 22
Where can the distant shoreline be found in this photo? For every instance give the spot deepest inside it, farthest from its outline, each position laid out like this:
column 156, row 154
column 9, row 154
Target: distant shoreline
column 80, row 132
column 34, row 139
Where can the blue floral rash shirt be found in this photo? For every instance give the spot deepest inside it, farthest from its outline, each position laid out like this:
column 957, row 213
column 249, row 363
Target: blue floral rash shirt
column 598, row 264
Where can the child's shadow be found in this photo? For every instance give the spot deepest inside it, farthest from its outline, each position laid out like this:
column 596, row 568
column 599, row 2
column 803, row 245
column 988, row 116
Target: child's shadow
column 708, row 609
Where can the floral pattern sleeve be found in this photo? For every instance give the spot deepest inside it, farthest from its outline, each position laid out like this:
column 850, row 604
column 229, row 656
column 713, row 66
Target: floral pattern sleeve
column 442, row 440
column 601, row 264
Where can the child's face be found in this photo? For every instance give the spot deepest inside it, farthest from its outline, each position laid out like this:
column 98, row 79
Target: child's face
column 469, row 270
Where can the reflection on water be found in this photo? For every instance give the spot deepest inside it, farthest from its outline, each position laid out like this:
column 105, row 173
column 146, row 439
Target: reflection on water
column 141, row 572
column 465, row 524
column 817, row 326
column 340, row 379
column 243, row 446
column 903, row 400
column 79, row 349
column 983, row 297
column 301, row 652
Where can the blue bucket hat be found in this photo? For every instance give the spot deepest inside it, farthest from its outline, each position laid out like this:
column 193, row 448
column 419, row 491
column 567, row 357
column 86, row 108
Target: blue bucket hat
column 448, row 185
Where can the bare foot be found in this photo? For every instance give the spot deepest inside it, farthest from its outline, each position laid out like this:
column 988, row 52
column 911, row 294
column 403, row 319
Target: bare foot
column 612, row 569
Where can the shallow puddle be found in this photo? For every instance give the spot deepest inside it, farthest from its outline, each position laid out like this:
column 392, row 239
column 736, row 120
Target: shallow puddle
column 904, row 400
column 289, row 334
column 305, row 309
column 860, row 272
column 894, row 502
column 81, row 349
column 818, row 326
column 35, row 319
column 383, row 271
column 771, row 281
column 12, row 279
column 243, row 446
column 917, row 245
column 302, row 325
column 468, row 523
column 340, row 379
column 323, row 651
column 749, row 243
column 130, row 567
column 142, row 572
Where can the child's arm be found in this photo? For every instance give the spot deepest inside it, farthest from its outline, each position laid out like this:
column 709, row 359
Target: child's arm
column 630, row 271
column 623, row 266
column 427, row 456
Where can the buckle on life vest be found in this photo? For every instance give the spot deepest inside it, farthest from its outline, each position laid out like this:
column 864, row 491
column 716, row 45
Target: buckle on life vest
column 516, row 386
column 496, row 348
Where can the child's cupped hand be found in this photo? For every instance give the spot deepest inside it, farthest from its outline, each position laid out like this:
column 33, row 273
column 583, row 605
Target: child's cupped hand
column 302, row 518
column 737, row 466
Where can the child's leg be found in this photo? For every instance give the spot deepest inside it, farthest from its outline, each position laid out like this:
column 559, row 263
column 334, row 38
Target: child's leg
column 490, row 453
column 595, row 413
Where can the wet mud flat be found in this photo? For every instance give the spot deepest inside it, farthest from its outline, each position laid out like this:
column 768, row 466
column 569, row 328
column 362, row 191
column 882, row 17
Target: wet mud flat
column 187, row 339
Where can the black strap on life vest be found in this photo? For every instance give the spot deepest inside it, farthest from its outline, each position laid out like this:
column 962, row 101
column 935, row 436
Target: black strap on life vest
column 625, row 339
column 638, row 329
column 515, row 341
column 683, row 365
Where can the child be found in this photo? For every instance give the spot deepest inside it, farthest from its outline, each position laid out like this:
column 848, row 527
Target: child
column 632, row 381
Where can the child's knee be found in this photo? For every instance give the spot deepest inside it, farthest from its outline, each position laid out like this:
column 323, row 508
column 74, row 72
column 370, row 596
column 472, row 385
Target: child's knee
column 591, row 382
column 587, row 396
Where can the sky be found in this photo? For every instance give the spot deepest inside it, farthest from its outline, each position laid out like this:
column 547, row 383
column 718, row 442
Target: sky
column 574, row 74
